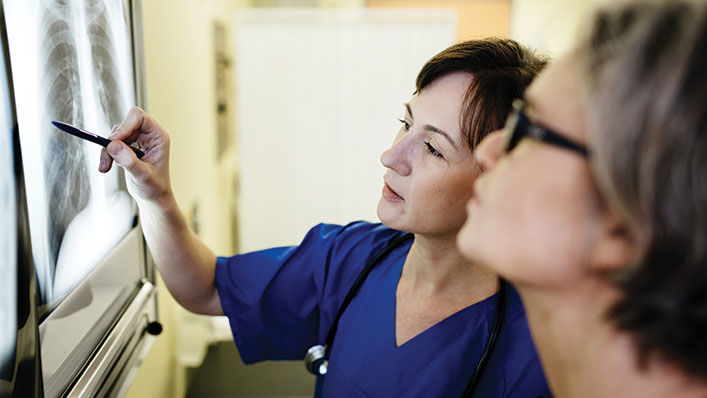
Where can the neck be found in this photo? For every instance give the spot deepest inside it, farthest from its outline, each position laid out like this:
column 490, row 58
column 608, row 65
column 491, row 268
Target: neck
column 583, row 355
column 434, row 266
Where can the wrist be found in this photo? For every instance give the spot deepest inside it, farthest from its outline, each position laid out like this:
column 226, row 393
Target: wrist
column 162, row 206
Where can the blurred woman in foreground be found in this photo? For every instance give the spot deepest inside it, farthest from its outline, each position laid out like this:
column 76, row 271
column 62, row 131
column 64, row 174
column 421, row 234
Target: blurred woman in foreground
column 594, row 205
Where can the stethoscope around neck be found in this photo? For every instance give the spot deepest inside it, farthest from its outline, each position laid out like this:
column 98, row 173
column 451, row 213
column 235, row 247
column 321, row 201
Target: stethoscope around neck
column 317, row 359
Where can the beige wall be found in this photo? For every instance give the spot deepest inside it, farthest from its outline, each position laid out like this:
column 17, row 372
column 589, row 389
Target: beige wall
column 180, row 95
column 551, row 25
column 477, row 18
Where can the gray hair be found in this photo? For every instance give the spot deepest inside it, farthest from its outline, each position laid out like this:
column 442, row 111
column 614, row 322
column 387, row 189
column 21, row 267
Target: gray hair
column 646, row 69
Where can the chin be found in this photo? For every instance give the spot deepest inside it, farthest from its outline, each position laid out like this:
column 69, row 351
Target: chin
column 390, row 222
column 386, row 214
column 394, row 221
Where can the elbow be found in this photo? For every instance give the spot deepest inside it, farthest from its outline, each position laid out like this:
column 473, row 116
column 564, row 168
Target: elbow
column 205, row 304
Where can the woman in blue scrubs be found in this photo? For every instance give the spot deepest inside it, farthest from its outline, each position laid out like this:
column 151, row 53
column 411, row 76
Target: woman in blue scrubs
column 421, row 319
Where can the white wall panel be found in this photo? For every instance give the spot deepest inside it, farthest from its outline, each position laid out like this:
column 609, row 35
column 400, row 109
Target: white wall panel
column 318, row 95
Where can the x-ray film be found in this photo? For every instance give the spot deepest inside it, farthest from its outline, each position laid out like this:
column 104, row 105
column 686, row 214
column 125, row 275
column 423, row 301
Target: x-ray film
column 72, row 62
column 8, row 234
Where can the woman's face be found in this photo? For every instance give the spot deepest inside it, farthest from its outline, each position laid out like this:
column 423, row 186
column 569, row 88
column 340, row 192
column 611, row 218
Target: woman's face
column 430, row 168
column 534, row 214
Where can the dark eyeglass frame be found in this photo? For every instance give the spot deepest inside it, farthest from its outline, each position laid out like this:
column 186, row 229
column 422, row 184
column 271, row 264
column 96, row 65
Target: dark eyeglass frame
column 521, row 126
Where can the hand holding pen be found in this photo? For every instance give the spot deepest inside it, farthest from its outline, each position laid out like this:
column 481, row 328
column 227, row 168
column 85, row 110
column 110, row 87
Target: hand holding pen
column 186, row 265
column 148, row 176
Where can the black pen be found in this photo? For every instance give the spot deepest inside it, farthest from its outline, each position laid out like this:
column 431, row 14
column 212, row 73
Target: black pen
column 77, row 132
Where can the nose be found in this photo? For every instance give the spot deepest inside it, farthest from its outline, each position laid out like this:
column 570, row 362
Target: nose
column 397, row 157
column 490, row 150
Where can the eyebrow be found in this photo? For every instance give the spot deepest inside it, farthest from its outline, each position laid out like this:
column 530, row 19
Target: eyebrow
column 433, row 128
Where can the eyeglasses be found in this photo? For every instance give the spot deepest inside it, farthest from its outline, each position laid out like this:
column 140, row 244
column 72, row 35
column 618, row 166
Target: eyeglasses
column 520, row 126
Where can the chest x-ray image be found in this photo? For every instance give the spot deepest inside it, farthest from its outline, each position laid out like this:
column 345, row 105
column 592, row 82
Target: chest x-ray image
column 72, row 62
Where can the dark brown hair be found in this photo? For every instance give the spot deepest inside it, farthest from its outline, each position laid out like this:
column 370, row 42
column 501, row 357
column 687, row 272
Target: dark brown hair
column 501, row 69
column 646, row 68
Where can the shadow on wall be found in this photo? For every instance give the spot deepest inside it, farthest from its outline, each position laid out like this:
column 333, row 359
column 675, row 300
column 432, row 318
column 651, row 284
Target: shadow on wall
column 224, row 375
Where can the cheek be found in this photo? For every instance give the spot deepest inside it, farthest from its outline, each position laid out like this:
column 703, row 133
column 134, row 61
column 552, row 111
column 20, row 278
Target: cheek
column 552, row 231
column 448, row 194
column 551, row 247
column 440, row 199
column 532, row 227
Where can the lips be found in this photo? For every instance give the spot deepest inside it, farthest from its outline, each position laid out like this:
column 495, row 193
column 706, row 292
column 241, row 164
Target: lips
column 390, row 195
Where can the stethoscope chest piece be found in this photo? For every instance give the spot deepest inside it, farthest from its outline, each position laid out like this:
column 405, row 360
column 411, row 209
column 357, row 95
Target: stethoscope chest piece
column 315, row 361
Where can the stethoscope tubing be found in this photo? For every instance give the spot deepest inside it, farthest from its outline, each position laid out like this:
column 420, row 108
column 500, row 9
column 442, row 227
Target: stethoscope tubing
column 322, row 352
column 357, row 285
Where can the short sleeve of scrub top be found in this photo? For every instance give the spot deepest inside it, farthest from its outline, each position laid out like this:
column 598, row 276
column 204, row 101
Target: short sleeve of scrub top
column 282, row 301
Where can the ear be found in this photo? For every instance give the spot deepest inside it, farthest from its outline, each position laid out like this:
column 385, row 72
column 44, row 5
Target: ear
column 616, row 245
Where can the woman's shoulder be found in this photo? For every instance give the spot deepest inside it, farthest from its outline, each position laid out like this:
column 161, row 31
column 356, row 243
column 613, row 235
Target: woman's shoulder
column 358, row 228
column 515, row 313
column 518, row 339
column 522, row 370
column 358, row 236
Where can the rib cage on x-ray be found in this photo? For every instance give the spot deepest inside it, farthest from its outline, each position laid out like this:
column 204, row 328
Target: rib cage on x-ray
column 72, row 32
column 105, row 72
column 65, row 173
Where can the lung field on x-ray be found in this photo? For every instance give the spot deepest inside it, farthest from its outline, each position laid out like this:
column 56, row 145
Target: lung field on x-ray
column 105, row 73
column 77, row 55
column 65, row 175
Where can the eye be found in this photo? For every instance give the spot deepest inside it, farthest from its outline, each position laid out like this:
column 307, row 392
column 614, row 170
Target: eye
column 406, row 125
column 433, row 151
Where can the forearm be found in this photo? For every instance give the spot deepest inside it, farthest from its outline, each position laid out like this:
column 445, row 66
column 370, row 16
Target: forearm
column 186, row 264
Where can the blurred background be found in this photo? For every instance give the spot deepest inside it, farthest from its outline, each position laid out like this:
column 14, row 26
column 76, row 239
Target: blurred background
column 278, row 111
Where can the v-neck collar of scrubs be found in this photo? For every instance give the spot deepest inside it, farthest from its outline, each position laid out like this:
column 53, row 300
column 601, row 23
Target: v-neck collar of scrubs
column 369, row 322
column 440, row 324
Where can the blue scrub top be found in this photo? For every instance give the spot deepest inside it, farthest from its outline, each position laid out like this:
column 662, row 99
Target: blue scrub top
column 282, row 301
